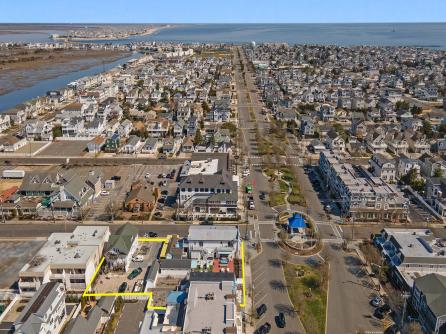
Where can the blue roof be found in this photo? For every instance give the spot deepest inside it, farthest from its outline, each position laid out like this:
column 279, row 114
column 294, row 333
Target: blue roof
column 176, row 297
column 297, row 221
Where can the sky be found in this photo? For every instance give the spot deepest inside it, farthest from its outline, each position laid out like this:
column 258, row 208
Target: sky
column 221, row 11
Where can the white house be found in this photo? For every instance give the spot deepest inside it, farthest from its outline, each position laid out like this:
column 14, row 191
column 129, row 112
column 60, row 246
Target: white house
column 45, row 312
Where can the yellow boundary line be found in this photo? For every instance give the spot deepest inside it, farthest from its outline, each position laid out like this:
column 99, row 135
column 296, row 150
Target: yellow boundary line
column 149, row 294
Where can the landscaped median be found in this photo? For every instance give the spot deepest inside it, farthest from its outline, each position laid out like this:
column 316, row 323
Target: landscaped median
column 307, row 288
column 289, row 190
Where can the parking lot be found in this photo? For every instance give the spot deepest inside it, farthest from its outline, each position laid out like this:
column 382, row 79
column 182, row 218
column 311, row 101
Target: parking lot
column 147, row 174
column 74, row 148
column 111, row 281
column 13, row 256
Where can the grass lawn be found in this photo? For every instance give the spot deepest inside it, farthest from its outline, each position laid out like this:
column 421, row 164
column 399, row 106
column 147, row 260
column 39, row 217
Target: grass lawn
column 283, row 186
column 308, row 292
column 276, row 198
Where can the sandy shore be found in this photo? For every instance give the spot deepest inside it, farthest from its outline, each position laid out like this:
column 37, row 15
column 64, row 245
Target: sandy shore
column 149, row 31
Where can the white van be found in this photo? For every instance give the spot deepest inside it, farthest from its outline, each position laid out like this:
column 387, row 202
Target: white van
column 138, row 258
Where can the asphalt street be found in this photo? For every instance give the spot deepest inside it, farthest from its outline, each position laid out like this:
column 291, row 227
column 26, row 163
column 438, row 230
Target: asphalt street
column 267, row 277
column 269, row 287
column 349, row 311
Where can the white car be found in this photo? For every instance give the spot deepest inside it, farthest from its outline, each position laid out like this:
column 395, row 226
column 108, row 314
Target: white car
column 148, row 175
column 138, row 258
column 246, row 172
column 104, row 193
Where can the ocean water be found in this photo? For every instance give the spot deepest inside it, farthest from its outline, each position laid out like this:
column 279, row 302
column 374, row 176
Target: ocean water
column 429, row 35
column 40, row 87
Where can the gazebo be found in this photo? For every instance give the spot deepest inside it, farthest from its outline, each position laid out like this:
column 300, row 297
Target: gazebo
column 296, row 224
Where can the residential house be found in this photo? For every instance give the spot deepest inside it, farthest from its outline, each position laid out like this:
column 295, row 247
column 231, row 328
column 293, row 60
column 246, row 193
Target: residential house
column 405, row 165
column 158, row 128
column 327, row 113
column 39, row 184
column 125, row 128
column 383, row 167
column 113, row 143
column 375, row 141
column 359, row 128
column 212, row 242
column 396, row 143
column 141, row 198
column 96, row 145
column 12, row 143
column 428, row 300
column 307, row 126
column 432, row 165
column 208, row 195
column 39, row 130
column 335, row 142
column 45, row 312
column 151, row 145
column 96, row 319
column 121, row 247
column 5, row 122
column 132, row 146
column 73, row 127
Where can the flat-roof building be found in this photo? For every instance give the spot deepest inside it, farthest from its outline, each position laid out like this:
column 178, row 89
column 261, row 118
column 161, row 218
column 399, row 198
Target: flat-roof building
column 68, row 258
column 412, row 253
column 211, row 305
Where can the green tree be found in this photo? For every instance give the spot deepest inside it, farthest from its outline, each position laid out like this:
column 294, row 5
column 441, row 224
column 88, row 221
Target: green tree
column 438, row 172
column 57, row 131
column 205, row 107
column 442, row 129
column 198, row 139
column 231, row 127
column 427, row 129
column 402, row 105
column 415, row 110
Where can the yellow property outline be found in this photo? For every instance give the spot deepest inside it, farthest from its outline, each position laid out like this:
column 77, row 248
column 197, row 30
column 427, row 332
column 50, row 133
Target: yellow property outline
column 149, row 294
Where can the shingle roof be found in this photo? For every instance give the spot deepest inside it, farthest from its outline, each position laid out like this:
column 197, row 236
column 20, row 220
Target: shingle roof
column 433, row 287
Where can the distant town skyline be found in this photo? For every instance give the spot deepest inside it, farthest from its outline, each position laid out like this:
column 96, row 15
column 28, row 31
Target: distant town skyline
column 229, row 11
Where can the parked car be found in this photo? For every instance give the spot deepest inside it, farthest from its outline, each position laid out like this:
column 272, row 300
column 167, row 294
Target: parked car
column 135, row 273
column 376, row 301
column 261, row 310
column 123, row 287
column 280, row 320
column 138, row 258
column 393, row 329
column 382, row 311
column 104, row 193
column 265, row 328
column 262, row 196
column 115, row 178
column 164, row 192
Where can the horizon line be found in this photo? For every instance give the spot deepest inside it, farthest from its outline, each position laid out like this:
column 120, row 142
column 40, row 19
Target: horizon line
column 246, row 23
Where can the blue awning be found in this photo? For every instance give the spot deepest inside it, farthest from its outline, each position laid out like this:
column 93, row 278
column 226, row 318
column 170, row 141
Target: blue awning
column 297, row 221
